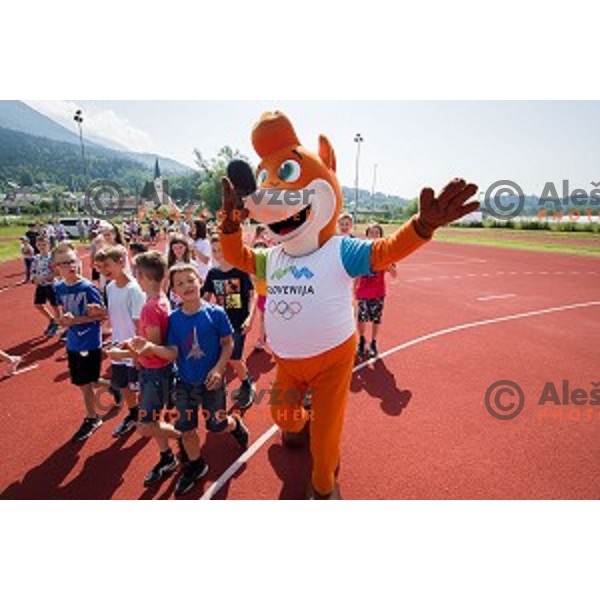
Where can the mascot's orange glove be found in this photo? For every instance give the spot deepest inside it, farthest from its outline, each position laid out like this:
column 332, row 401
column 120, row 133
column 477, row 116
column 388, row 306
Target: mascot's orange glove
column 447, row 207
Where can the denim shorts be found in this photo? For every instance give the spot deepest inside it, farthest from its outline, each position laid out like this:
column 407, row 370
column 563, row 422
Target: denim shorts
column 189, row 399
column 156, row 386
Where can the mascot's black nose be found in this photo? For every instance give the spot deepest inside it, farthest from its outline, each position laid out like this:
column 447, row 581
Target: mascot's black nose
column 242, row 177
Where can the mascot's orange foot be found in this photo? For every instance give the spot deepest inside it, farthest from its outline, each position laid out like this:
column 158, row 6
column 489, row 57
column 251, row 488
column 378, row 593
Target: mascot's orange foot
column 296, row 440
column 312, row 494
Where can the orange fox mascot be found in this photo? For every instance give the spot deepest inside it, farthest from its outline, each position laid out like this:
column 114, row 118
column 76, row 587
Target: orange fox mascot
column 309, row 317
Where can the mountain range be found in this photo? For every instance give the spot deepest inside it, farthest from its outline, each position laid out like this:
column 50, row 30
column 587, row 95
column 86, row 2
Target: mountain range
column 34, row 149
column 33, row 146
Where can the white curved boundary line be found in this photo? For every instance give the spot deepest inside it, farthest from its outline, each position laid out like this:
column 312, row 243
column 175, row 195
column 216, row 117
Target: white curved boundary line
column 241, row 460
column 20, row 371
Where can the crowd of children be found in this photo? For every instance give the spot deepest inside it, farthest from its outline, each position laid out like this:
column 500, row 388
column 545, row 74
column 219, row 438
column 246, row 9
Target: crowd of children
column 176, row 320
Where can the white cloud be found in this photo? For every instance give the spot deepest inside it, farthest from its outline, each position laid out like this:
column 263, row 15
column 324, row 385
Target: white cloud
column 103, row 123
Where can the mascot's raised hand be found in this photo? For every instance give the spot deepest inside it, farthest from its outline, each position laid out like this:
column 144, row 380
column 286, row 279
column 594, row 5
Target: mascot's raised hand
column 239, row 183
column 447, row 207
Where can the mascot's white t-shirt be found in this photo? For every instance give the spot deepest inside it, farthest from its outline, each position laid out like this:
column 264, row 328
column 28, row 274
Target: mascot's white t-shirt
column 309, row 298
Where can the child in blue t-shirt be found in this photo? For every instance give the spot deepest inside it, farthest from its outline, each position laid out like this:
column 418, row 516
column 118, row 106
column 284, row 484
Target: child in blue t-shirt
column 200, row 341
column 84, row 340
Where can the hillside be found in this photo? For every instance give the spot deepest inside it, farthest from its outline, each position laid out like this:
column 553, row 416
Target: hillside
column 18, row 116
column 26, row 159
column 34, row 147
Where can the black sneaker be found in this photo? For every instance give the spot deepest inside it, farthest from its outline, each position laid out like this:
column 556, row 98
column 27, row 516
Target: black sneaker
column 373, row 352
column 183, row 457
column 244, row 396
column 89, row 425
column 194, row 471
column 240, row 433
column 128, row 424
column 48, row 327
column 361, row 350
column 164, row 467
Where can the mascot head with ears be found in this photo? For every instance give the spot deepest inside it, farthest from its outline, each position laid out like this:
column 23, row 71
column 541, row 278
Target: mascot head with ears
column 298, row 197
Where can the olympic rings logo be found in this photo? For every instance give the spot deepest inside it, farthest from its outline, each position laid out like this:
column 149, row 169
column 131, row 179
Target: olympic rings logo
column 285, row 310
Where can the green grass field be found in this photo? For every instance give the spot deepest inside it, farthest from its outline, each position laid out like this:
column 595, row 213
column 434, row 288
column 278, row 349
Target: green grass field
column 10, row 246
column 580, row 243
column 10, row 249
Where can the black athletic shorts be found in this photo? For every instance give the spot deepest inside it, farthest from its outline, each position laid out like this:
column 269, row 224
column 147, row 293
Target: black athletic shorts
column 124, row 376
column 43, row 294
column 84, row 367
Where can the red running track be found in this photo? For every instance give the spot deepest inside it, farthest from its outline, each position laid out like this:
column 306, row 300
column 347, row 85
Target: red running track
column 416, row 424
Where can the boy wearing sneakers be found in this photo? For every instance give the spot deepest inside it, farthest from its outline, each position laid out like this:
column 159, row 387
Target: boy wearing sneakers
column 84, row 342
column 155, row 373
column 234, row 291
column 200, row 341
column 42, row 275
column 125, row 300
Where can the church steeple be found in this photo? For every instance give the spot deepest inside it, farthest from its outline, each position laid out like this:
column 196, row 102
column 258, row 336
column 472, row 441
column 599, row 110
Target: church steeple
column 157, row 174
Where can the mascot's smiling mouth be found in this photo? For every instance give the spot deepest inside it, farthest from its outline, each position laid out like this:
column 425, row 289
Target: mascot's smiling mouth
column 282, row 228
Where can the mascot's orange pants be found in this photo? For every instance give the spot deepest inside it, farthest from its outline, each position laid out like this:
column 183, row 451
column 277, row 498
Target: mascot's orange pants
column 326, row 379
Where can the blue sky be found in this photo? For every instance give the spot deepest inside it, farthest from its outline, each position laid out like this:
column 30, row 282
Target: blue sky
column 413, row 143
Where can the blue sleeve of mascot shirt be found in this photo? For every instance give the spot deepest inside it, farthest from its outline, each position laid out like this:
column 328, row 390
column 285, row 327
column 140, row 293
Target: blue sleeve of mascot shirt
column 356, row 256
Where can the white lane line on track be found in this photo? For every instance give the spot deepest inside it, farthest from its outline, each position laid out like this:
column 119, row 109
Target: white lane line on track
column 497, row 297
column 10, row 287
column 441, row 263
column 498, row 273
column 452, row 255
column 241, row 460
column 25, row 369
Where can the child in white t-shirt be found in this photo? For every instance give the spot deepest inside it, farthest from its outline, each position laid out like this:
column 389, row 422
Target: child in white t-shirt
column 202, row 249
column 125, row 300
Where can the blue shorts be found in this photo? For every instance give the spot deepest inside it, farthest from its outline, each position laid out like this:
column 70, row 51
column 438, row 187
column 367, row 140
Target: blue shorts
column 189, row 399
column 156, row 386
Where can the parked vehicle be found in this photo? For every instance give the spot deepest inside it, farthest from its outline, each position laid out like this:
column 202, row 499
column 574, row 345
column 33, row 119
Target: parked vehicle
column 71, row 228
